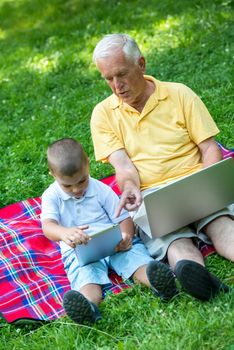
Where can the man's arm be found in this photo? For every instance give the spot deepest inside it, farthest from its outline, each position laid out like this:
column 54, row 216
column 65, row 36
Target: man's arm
column 128, row 180
column 210, row 152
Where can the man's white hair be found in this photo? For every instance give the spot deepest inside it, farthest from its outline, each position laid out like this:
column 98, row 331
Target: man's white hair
column 112, row 43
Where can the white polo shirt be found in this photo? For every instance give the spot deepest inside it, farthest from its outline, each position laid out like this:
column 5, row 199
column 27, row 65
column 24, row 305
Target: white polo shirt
column 96, row 208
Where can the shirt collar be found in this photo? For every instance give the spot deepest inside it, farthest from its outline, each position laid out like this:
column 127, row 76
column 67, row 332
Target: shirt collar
column 90, row 191
column 160, row 93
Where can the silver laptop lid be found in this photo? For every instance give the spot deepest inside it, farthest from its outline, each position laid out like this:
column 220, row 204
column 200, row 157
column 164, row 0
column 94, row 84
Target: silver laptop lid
column 189, row 199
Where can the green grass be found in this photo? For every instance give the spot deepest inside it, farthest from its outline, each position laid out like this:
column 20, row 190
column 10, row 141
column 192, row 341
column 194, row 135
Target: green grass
column 48, row 88
column 135, row 319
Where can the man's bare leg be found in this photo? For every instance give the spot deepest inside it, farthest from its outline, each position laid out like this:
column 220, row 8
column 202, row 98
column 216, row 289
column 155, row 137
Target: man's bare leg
column 183, row 249
column 221, row 233
column 188, row 264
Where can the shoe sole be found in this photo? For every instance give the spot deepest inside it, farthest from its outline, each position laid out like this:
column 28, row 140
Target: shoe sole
column 196, row 280
column 162, row 280
column 78, row 308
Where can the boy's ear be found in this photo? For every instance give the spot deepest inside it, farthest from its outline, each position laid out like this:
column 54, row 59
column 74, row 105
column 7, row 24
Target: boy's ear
column 51, row 174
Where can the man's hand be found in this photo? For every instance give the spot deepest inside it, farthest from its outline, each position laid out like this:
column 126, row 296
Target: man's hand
column 130, row 199
column 125, row 243
column 128, row 180
column 75, row 235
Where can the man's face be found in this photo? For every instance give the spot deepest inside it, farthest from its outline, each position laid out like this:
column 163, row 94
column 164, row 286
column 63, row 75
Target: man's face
column 124, row 77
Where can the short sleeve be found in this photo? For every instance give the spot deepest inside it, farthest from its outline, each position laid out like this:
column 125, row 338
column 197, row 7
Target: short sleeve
column 105, row 139
column 199, row 123
column 110, row 203
column 50, row 206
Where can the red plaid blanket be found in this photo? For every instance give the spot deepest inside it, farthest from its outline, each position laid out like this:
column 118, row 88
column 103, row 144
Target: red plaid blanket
column 32, row 277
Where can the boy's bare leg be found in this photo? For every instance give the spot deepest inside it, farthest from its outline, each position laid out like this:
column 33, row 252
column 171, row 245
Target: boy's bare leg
column 140, row 276
column 81, row 306
column 221, row 233
column 93, row 292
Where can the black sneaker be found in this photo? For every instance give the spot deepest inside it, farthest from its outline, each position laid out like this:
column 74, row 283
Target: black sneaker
column 80, row 309
column 162, row 280
column 197, row 281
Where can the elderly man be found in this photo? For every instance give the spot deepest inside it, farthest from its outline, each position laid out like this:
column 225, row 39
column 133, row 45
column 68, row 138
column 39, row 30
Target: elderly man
column 154, row 132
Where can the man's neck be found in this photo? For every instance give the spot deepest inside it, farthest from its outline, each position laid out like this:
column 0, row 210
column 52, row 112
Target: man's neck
column 140, row 103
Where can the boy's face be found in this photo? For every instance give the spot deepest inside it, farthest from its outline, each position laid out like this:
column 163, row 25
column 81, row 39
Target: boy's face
column 75, row 185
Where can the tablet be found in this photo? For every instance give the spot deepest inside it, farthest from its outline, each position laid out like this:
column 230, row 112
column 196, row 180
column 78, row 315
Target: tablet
column 102, row 244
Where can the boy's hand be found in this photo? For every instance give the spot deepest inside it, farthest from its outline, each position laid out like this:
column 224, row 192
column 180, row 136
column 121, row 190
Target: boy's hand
column 125, row 243
column 75, row 235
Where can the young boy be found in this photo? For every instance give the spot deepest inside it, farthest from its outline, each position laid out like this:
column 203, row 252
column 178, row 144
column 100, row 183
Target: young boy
column 76, row 205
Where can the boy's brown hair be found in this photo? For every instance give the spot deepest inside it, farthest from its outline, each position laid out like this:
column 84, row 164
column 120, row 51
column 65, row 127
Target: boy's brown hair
column 66, row 157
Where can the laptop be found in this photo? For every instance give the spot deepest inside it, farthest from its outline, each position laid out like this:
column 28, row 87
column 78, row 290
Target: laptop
column 188, row 199
column 102, row 244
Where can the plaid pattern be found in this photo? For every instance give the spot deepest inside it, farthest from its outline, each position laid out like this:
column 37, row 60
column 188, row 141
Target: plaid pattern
column 32, row 277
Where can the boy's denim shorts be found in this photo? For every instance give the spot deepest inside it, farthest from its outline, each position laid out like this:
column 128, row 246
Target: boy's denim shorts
column 124, row 263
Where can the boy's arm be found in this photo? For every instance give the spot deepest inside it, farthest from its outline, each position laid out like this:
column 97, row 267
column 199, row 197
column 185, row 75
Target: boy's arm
column 127, row 229
column 51, row 226
column 52, row 230
column 69, row 235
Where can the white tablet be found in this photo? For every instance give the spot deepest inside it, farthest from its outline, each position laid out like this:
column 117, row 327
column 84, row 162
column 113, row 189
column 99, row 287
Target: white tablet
column 101, row 245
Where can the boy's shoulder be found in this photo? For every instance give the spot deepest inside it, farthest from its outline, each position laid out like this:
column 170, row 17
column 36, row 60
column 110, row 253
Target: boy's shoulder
column 99, row 186
column 95, row 188
column 52, row 190
column 102, row 191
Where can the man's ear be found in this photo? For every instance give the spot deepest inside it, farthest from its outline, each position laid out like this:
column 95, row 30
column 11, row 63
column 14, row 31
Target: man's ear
column 141, row 63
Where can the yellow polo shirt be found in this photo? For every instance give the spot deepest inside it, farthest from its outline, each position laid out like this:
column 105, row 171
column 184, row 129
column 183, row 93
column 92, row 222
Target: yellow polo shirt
column 161, row 140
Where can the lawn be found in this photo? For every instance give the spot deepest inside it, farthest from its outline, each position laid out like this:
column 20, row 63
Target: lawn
column 48, row 88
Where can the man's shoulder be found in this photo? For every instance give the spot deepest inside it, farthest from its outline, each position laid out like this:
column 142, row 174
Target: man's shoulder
column 106, row 104
column 174, row 85
column 177, row 88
